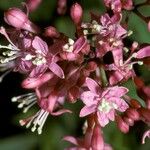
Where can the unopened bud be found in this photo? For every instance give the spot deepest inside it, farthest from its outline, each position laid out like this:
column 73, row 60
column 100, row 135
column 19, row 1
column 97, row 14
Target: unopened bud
column 132, row 113
column 149, row 26
column 129, row 121
column 139, row 82
column 73, row 94
column 62, row 7
column 135, row 104
column 122, row 125
column 31, row 83
column 97, row 141
column 145, row 113
column 134, row 46
column 18, row 19
column 33, row 4
column 91, row 66
column 76, row 13
column 51, row 32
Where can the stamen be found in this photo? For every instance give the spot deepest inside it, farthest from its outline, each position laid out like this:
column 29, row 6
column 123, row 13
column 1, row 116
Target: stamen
column 3, row 31
column 126, row 49
column 3, row 75
column 69, row 46
column 26, row 99
column 130, row 32
column 39, row 60
column 39, row 120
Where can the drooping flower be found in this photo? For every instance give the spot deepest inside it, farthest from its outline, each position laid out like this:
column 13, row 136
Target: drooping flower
column 103, row 102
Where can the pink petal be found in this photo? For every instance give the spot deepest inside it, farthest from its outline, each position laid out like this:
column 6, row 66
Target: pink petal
column 115, row 77
column 30, row 83
column 56, row 70
column 40, row 46
column 149, row 26
column 144, row 52
column 88, row 98
column 71, row 140
column 146, row 134
column 120, row 31
column 103, row 119
column 117, row 91
column 117, row 56
column 52, row 100
column 92, row 85
column 60, row 112
column 86, row 110
column 79, row 44
column 38, row 70
column 111, row 115
column 107, row 147
column 120, row 103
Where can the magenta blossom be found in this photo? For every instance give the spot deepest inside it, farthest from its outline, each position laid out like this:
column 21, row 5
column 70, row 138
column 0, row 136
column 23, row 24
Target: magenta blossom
column 74, row 51
column 123, row 70
column 29, row 55
column 103, row 102
column 118, row 5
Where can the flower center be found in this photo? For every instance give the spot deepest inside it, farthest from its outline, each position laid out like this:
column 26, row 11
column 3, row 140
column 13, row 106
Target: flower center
column 106, row 106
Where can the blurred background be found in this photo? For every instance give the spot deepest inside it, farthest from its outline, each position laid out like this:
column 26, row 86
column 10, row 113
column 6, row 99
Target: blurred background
column 15, row 137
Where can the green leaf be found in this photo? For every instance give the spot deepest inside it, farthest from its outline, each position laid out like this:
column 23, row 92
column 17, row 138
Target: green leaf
column 139, row 28
column 145, row 10
column 132, row 91
column 66, row 26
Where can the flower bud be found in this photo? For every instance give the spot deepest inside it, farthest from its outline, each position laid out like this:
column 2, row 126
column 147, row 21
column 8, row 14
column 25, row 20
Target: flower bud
column 91, row 66
column 76, row 13
column 73, row 94
column 139, row 82
column 33, row 4
column 135, row 104
column 132, row 113
column 31, row 83
column 122, row 125
column 97, row 142
column 18, row 19
column 51, row 32
column 129, row 121
column 149, row 26
column 62, row 7
column 145, row 113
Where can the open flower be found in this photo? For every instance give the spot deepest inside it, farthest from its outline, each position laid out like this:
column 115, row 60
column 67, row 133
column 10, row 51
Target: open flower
column 103, row 102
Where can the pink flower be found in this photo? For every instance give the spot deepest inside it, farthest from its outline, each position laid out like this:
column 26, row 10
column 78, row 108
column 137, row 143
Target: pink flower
column 41, row 59
column 118, row 5
column 103, row 102
column 74, row 51
column 123, row 70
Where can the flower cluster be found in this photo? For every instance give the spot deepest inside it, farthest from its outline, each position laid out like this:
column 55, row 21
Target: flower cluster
column 59, row 69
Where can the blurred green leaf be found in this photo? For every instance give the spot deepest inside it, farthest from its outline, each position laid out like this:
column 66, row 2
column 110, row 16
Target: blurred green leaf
column 139, row 28
column 44, row 11
column 145, row 10
column 19, row 142
column 4, row 5
column 65, row 25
